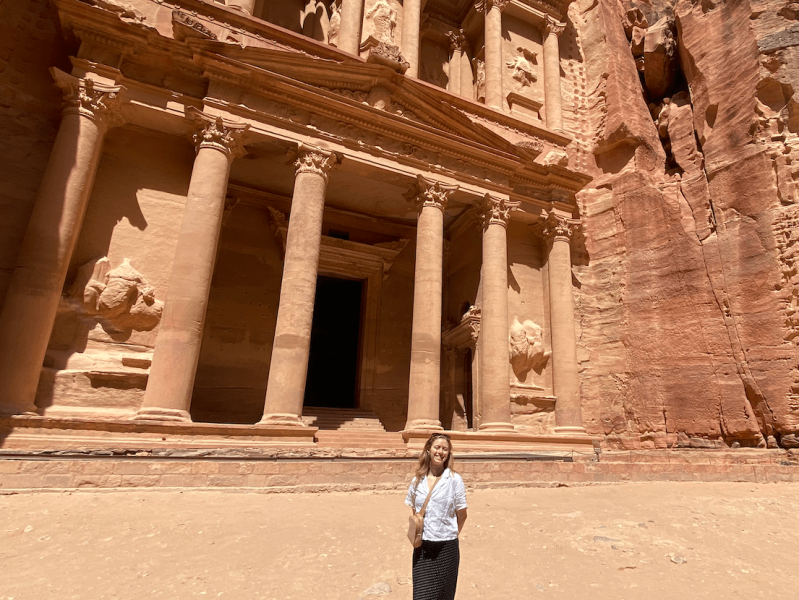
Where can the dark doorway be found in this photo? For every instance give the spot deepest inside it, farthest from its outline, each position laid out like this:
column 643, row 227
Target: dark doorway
column 333, row 363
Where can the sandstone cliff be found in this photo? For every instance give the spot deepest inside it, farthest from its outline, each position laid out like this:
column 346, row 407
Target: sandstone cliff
column 687, row 292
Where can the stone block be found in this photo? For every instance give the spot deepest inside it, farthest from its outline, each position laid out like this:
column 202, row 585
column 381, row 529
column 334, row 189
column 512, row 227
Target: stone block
column 59, row 481
column 132, row 480
column 205, row 468
column 168, row 467
column 268, row 468
column 9, row 466
column 236, row 468
column 130, row 468
column 227, row 480
column 95, row 467
column 22, row 481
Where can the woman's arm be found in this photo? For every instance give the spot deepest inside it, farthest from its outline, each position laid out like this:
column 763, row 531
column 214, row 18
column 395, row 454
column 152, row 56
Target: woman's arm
column 461, row 518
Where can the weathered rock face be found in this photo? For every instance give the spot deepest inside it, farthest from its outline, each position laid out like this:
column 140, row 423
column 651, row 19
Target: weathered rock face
column 688, row 298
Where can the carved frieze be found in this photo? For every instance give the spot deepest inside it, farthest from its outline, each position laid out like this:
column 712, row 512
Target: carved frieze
column 186, row 26
column 495, row 211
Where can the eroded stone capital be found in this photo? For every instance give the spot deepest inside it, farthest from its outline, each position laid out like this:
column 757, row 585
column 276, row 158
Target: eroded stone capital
column 553, row 26
column 88, row 98
column 457, row 40
column 427, row 192
column 218, row 133
column 558, row 227
column 495, row 211
column 315, row 160
column 484, row 6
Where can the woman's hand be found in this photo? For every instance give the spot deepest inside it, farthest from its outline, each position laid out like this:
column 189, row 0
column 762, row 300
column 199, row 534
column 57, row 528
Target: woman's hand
column 461, row 518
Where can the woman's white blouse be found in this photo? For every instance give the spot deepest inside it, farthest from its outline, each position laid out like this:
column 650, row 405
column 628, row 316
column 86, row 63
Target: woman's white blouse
column 440, row 519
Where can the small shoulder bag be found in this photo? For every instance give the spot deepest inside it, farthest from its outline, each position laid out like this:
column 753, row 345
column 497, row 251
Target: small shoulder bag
column 416, row 520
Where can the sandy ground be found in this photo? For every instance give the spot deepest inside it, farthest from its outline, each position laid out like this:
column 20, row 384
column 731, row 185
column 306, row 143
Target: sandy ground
column 654, row 540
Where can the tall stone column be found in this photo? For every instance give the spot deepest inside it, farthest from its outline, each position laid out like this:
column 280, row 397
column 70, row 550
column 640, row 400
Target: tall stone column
column 37, row 281
column 457, row 41
column 285, row 389
column 553, row 103
column 494, row 362
column 177, row 345
column 245, row 6
column 557, row 232
column 425, row 378
column 492, row 9
column 411, row 24
column 467, row 75
column 349, row 35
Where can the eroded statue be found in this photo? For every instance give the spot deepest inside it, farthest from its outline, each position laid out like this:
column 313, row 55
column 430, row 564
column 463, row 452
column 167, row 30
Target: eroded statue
column 121, row 295
column 527, row 351
column 384, row 21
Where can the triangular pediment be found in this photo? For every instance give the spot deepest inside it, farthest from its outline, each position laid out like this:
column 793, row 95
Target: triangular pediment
column 411, row 100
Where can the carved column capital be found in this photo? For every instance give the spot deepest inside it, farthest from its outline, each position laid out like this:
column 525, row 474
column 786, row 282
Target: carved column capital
column 495, row 211
column 457, row 39
column 483, row 6
column 557, row 227
column 217, row 133
column 88, row 98
column 430, row 193
column 553, row 26
column 315, row 160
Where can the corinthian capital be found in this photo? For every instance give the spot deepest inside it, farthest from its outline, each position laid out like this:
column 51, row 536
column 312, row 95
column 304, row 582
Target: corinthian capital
column 217, row 133
column 484, row 6
column 457, row 39
column 430, row 193
column 315, row 160
column 553, row 26
column 88, row 98
column 557, row 227
column 495, row 211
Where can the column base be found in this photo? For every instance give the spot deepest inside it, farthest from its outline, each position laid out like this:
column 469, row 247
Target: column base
column 430, row 425
column 8, row 411
column 162, row 414
column 498, row 427
column 282, row 419
column 569, row 430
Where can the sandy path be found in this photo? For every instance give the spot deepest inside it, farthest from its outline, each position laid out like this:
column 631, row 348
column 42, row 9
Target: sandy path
column 728, row 540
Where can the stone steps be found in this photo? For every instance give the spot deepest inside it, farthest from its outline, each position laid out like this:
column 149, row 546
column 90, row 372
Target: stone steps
column 341, row 418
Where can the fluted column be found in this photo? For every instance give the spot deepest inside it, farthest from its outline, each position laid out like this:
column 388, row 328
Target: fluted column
column 411, row 23
column 553, row 103
column 35, row 289
column 558, row 231
column 494, row 363
column 425, row 377
column 285, row 389
column 245, row 6
column 349, row 36
column 492, row 9
column 177, row 345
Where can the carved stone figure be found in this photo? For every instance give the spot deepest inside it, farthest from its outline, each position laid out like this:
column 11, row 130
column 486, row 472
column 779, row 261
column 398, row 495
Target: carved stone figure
column 480, row 79
column 335, row 23
column 121, row 296
column 384, row 21
column 522, row 67
column 527, row 351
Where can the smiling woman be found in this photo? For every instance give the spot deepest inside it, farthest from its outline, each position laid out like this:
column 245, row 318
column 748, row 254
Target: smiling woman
column 435, row 562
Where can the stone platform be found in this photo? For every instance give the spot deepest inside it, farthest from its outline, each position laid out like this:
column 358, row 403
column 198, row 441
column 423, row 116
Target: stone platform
column 322, row 470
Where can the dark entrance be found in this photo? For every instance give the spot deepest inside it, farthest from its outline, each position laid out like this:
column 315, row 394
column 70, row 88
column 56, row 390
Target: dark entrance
column 333, row 363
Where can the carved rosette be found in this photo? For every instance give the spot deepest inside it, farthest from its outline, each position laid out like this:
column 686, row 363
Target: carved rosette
column 316, row 161
column 495, row 211
column 91, row 99
column 483, row 6
column 557, row 227
column 430, row 193
column 218, row 133
column 553, row 26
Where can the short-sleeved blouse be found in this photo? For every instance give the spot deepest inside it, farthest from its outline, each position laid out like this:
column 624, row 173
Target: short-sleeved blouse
column 440, row 519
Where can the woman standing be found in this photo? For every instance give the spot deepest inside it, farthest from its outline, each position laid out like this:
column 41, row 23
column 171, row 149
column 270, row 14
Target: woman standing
column 435, row 562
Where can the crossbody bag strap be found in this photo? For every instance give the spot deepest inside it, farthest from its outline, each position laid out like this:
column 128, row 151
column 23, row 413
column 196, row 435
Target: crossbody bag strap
column 426, row 500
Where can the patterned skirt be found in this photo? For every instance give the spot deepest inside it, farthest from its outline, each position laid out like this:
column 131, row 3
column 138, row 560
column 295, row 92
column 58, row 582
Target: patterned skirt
column 435, row 570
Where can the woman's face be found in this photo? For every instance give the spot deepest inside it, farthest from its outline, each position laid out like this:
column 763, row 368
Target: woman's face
column 439, row 452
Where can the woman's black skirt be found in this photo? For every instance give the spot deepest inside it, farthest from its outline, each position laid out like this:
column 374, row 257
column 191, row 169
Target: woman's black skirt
column 435, row 570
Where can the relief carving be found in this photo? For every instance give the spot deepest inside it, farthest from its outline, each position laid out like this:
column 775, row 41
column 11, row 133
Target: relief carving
column 526, row 342
column 384, row 21
column 380, row 44
column 480, row 79
column 120, row 296
column 335, row 23
column 185, row 26
column 522, row 67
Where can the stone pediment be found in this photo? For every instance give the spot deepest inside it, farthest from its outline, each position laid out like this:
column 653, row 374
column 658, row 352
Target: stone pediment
column 363, row 87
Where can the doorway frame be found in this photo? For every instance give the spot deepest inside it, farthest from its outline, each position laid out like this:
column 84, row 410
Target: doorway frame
column 369, row 263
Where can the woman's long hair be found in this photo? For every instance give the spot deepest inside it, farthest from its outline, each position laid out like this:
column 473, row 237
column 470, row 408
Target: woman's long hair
column 423, row 468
